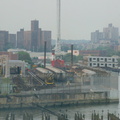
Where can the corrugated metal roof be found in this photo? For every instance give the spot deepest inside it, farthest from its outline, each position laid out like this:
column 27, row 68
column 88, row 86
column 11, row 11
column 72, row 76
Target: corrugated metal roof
column 57, row 70
column 90, row 72
column 43, row 70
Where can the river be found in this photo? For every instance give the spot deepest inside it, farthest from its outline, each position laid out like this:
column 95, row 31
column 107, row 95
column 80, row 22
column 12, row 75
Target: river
column 84, row 109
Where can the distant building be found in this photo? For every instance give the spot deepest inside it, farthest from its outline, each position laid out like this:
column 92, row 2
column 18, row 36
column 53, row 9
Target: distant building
column 20, row 38
column 34, row 35
column 111, row 33
column 75, row 52
column 27, row 40
column 3, row 40
column 92, row 52
column 40, row 43
column 12, row 40
column 34, row 25
column 32, row 40
column 96, row 61
column 11, row 56
column 96, row 36
column 105, row 43
column 46, row 36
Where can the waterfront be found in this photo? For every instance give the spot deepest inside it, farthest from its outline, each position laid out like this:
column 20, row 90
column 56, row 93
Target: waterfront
column 71, row 110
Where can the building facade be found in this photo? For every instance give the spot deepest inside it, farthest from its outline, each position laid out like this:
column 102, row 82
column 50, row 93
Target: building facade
column 34, row 35
column 12, row 40
column 20, row 38
column 75, row 52
column 111, row 33
column 46, row 36
column 27, row 40
column 96, row 61
column 92, row 52
column 96, row 36
column 11, row 56
column 3, row 40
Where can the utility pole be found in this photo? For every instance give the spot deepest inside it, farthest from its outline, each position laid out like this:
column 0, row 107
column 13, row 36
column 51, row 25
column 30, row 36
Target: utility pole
column 71, row 56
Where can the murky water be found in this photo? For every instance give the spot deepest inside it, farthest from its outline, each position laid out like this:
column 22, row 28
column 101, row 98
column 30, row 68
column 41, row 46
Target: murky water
column 87, row 110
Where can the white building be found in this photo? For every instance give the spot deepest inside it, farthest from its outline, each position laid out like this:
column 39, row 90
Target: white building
column 96, row 61
column 75, row 52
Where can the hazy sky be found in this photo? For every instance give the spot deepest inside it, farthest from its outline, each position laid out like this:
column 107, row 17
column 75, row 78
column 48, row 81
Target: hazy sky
column 78, row 17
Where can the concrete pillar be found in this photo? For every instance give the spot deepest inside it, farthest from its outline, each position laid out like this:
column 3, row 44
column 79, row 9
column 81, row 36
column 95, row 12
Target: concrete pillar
column 119, row 85
column 7, row 69
column 23, row 68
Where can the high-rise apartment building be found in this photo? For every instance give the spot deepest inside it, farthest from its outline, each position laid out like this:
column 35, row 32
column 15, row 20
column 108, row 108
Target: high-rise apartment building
column 27, row 40
column 12, row 40
column 3, row 40
column 20, row 38
column 34, row 25
column 46, row 36
column 40, row 46
column 32, row 40
column 111, row 33
column 96, row 36
column 38, row 37
column 34, row 35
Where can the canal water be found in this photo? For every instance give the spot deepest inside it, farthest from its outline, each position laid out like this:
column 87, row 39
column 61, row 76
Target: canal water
column 84, row 109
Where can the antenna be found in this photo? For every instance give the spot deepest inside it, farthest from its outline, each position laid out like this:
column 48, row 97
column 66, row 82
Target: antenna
column 58, row 44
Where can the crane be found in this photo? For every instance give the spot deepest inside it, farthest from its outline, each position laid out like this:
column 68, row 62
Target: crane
column 58, row 41
column 57, row 53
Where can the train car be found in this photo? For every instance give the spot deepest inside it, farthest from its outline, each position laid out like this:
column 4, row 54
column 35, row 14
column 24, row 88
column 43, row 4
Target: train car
column 46, row 75
column 60, row 75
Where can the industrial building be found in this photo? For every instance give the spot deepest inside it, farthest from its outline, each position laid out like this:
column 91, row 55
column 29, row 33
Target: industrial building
column 96, row 61
column 8, row 67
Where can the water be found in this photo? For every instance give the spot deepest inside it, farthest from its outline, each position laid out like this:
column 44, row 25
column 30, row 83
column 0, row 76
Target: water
column 87, row 110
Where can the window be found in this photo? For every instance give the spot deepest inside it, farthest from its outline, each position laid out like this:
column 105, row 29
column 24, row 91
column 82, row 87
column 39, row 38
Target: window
column 90, row 59
column 113, row 60
column 98, row 65
column 98, row 59
column 90, row 64
column 113, row 65
column 105, row 59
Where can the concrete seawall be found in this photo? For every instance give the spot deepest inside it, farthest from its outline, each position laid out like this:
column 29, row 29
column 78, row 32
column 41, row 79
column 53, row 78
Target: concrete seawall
column 54, row 99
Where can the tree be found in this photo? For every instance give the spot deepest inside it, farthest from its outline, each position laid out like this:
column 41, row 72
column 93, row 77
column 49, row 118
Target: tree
column 24, row 56
column 67, row 58
column 109, row 50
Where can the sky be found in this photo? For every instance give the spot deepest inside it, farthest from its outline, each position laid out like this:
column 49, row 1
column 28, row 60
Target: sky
column 78, row 17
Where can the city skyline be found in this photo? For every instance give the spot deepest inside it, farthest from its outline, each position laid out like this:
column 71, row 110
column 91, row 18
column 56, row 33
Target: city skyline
column 78, row 18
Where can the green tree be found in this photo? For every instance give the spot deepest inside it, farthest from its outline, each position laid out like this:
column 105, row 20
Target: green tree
column 67, row 58
column 109, row 50
column 24, row 56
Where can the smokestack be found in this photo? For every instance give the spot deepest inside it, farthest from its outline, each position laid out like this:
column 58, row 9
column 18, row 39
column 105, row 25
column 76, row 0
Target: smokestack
column 45, row 54
column 71, row 55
